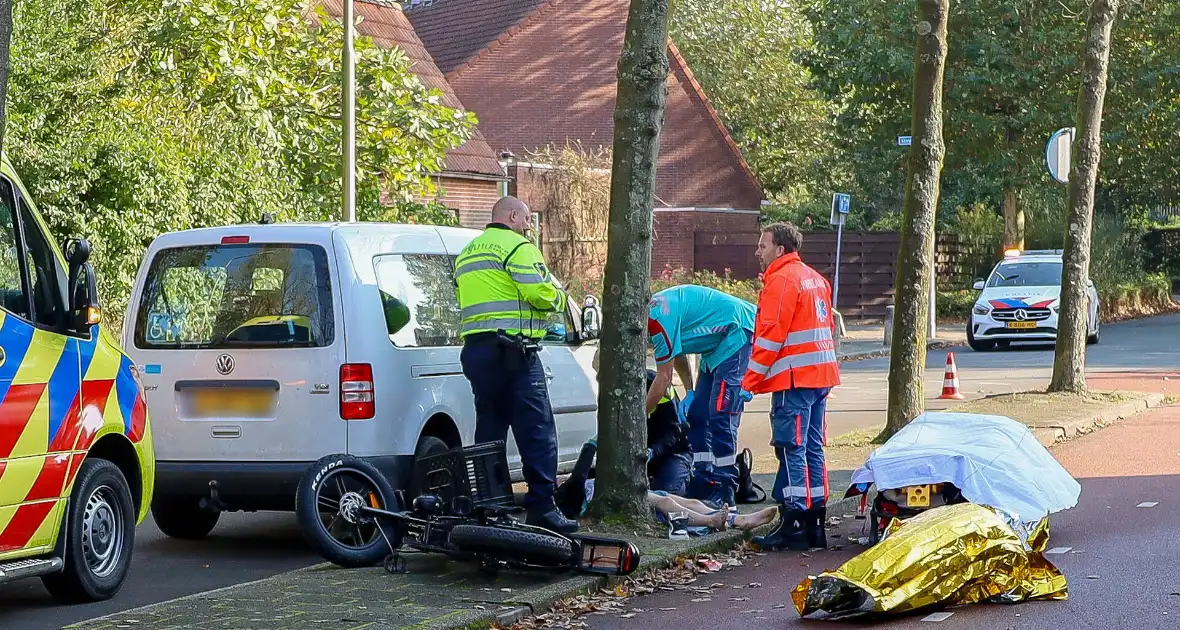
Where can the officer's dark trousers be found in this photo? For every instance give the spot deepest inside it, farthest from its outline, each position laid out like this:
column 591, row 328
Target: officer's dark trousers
column 517, row 399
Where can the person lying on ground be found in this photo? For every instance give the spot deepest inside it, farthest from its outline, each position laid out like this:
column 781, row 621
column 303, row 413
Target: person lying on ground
column 575, row 493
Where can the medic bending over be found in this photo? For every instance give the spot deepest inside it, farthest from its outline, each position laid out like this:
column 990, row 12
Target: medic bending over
column 691, row 319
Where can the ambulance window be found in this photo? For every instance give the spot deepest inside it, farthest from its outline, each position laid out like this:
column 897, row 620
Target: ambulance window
column 43, row 271
column 12, row 295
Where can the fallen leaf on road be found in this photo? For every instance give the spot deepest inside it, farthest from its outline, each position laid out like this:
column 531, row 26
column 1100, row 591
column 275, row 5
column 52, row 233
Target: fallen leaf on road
column 712, row 566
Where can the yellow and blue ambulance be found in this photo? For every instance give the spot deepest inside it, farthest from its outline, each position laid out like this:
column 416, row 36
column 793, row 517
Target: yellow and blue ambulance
column 76, row 457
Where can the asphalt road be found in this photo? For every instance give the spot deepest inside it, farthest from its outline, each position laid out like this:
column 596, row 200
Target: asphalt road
column 246, row 547
column 1123, row 566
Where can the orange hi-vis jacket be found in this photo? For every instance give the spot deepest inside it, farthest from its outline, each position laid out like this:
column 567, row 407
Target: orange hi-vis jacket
column 794, row 343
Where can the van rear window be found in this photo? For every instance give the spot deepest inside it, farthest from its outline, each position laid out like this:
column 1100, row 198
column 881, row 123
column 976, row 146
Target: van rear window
column 236, row 296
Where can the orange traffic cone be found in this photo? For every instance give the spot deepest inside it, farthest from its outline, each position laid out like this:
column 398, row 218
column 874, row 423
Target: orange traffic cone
column 950, row 382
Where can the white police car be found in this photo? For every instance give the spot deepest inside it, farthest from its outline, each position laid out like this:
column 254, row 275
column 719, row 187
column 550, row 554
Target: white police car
column 1020, row 301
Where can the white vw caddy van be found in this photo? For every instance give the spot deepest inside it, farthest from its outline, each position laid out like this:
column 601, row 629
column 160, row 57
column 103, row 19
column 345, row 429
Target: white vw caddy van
column 266, row 347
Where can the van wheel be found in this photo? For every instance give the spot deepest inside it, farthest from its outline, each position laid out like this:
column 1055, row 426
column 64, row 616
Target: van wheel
column 427, row 445
column 182, row 517
column 99, row 536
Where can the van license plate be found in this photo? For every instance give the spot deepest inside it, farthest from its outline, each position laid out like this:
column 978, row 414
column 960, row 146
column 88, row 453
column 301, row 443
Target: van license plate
column 233, row 403
column 1022, row 325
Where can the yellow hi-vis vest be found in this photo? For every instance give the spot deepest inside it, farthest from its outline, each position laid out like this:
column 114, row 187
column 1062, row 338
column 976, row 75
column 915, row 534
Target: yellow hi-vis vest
column 502, row 284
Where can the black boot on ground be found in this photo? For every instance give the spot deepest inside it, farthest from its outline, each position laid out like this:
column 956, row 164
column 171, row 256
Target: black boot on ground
column 788, row 534
column 553, row 520
column 817, row 518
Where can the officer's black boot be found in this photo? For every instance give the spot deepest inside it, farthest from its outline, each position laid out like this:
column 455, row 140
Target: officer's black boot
column 817, row 519
column 788, row 534
column 552, row 519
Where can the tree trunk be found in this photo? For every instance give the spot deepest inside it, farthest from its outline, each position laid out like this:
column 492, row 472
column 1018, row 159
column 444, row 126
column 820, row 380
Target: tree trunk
column 1013, row 219
column 620, row 490
column 1069, row 360
column 5, row 53
column 915, row 272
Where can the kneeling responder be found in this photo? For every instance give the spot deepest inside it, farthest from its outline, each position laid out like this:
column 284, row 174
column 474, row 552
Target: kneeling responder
column 506, row 295
column 669, row 457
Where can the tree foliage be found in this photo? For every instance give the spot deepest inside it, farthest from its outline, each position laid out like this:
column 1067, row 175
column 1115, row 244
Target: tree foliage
column 1011, row 81
column 130, row 118
column 744, row 54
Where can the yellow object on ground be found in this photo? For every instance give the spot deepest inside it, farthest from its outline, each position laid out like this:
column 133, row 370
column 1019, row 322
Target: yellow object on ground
column 952, row 555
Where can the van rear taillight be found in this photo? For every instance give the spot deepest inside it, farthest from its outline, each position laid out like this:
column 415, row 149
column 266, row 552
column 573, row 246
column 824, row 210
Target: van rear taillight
column 235, row 240
column 356, row 391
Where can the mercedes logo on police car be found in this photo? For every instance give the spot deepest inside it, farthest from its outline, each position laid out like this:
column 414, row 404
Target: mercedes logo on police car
column 225, row 364
column 1021, row 315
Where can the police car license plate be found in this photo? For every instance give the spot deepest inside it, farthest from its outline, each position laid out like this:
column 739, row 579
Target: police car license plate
column 232, row 403
column 1022, row 325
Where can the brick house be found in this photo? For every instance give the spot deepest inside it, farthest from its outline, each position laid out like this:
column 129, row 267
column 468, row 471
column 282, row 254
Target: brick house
column 473, row 177
column 543, row 72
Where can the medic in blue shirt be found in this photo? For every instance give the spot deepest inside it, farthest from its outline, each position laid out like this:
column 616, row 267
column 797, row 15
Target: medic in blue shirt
column 691, row 319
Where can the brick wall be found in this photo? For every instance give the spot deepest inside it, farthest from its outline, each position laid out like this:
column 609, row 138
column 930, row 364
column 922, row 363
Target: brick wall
column 672, row 244
column 472, row 198
column 705, row 240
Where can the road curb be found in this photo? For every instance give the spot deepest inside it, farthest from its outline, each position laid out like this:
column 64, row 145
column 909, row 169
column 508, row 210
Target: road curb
column 862, row 355
column 586, row 584
column 1048, row 434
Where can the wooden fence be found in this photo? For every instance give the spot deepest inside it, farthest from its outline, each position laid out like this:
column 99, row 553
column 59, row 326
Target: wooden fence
column 868, row 262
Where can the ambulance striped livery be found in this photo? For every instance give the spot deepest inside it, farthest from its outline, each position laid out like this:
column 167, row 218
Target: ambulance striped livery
column 59, row 396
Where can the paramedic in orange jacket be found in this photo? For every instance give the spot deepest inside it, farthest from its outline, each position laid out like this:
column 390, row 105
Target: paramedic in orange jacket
column 794, row 358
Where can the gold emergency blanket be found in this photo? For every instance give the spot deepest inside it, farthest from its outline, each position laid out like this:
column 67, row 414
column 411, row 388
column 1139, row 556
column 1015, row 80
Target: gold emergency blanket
column 952, row 555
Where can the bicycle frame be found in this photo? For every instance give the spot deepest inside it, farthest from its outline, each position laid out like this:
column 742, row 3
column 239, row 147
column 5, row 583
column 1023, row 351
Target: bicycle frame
column 431, row 533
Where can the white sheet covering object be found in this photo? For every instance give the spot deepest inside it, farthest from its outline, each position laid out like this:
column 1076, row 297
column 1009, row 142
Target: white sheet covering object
column 993, row 460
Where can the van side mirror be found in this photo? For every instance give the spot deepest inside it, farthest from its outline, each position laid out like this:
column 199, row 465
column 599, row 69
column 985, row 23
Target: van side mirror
column 84, row 308
column 591, row 318
column 978, row 286
column 77, row 251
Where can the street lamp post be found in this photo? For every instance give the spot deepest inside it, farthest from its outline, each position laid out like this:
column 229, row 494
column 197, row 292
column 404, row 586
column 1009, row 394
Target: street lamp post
column 348, row 117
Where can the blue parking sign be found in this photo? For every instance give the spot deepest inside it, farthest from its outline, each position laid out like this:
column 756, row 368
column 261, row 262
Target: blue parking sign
column 842, row 202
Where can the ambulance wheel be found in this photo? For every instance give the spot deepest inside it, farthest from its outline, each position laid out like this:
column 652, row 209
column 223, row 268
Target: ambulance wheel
column 99, row 536
column 183, row 517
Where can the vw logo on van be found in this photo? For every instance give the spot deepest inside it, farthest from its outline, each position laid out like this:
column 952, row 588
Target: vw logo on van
column 225, row 364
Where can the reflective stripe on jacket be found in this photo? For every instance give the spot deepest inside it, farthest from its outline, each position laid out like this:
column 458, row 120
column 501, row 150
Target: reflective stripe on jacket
column 793, row 337
column 502, row 284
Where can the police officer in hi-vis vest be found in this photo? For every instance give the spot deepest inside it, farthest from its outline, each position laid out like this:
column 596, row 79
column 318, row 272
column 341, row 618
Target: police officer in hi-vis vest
column 506, row 296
